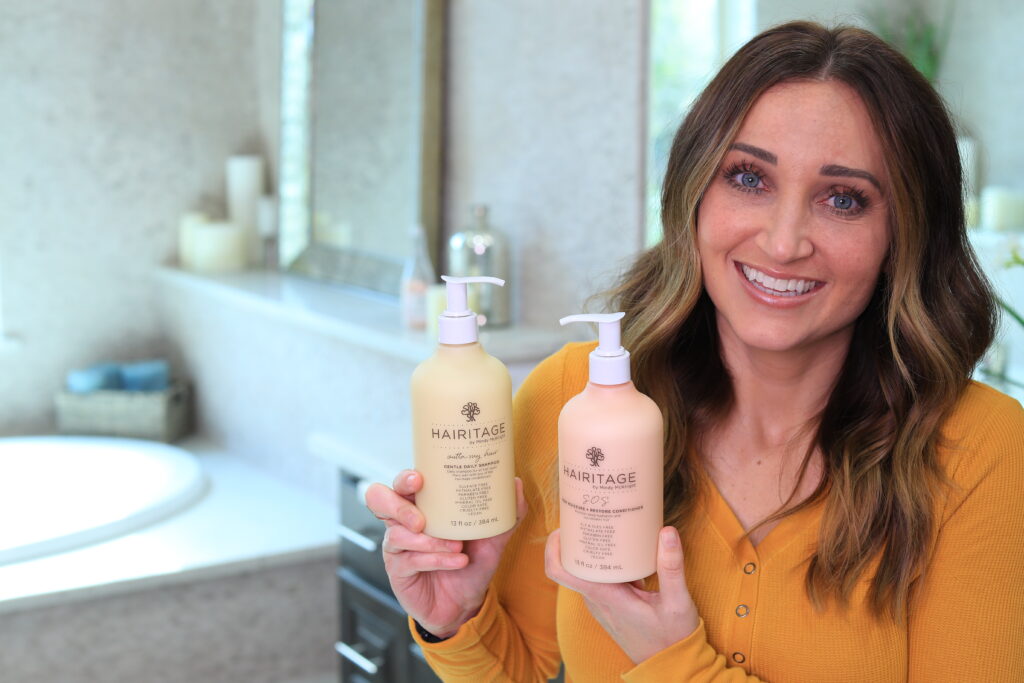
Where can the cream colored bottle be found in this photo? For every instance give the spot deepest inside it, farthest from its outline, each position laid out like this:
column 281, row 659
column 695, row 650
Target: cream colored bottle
column 610, row 476
column 462, row 429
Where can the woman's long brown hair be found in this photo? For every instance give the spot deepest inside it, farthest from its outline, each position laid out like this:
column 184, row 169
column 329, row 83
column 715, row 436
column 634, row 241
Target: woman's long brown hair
column 913, row 349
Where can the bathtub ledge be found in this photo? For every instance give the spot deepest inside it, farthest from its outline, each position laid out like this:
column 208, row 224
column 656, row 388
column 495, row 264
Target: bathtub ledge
column 246, row 521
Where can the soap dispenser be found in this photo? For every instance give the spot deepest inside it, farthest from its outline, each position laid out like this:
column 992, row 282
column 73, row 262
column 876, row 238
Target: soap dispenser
column 610, row 468
column 462, row 428
column 480, row 249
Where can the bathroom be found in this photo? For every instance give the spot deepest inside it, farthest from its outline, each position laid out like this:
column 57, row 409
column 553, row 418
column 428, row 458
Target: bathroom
column 120, row 116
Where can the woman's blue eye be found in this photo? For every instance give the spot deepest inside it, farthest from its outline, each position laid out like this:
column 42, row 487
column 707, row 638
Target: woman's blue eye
column 745, row 177
column 843, row 202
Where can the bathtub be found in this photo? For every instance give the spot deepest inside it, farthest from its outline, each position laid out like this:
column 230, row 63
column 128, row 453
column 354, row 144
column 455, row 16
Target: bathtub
column 158, row 516
column 248, row 565
column 60, row 492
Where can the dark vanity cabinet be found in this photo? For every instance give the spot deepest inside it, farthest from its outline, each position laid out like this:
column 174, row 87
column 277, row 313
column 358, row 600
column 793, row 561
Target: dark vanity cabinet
column 374, row 645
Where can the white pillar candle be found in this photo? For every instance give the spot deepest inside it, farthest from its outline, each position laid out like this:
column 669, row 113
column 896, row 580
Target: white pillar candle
column 1002, row 208
column 245, row 187
column 217, row 247
column 185, row 226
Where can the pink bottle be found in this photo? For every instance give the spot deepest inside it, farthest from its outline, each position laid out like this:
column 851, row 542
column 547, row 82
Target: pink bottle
column 610, row 444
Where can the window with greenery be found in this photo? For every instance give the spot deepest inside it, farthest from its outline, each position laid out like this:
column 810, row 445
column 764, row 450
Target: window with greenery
column 689, row 41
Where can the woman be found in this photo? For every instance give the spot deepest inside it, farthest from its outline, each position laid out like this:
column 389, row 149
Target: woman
column 847, row 502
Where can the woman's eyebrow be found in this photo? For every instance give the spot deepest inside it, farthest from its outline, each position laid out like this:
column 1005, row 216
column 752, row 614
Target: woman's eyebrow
column 843, row 171
column 762, row 154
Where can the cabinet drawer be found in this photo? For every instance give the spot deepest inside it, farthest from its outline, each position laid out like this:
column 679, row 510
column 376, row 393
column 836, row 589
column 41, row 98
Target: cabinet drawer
column 375, row 643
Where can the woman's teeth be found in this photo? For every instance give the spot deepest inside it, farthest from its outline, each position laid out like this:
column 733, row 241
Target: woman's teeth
column 776, row 286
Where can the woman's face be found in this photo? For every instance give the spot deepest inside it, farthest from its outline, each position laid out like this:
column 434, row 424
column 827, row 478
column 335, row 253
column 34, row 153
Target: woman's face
column 793, row 228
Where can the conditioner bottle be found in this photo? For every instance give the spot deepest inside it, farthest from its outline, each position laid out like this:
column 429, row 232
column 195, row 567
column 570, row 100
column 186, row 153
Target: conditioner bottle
column 610, row 463
column 462, row 428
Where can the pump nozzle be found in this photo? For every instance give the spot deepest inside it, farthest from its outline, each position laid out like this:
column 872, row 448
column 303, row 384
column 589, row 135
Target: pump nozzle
column 609, row 362
column 457, row 325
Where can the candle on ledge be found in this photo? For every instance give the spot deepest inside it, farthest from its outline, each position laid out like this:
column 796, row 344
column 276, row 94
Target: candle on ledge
column 186, row 224
column 216, row 247
column 245, row 187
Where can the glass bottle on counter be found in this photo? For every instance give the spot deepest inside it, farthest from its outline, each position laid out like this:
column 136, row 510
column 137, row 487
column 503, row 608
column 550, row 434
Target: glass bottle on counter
column 417, row 276
column 477, row 250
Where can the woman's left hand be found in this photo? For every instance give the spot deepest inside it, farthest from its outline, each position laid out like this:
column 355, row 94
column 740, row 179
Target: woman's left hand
column 641, row 622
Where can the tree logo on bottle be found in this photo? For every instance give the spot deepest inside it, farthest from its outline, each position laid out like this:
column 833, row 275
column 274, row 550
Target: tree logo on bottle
column 470, row 410
column 595, row 456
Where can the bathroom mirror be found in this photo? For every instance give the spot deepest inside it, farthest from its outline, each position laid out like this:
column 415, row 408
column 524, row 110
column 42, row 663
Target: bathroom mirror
column 360, row 137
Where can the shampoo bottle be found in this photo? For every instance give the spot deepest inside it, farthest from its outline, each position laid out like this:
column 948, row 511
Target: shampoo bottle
column 462, row 428
column 610, row 477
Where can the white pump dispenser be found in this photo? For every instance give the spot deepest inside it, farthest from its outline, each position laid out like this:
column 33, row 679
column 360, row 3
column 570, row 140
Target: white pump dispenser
column 609, row 362
column 457, row 325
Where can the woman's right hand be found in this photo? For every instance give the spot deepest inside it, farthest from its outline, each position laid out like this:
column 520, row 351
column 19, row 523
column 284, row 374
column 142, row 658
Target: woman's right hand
column 440, row 583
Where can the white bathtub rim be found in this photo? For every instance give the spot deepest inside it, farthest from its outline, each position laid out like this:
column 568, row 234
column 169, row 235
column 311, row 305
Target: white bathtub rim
column 196, row 487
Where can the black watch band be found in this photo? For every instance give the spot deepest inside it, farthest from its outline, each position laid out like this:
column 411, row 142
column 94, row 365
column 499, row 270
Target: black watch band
column 426, row 635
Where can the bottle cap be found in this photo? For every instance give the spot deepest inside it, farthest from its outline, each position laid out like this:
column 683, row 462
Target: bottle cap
column 457, row 325
column 609, row 362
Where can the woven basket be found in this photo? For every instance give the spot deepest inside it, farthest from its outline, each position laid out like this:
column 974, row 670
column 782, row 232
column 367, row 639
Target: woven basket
column 158, row 415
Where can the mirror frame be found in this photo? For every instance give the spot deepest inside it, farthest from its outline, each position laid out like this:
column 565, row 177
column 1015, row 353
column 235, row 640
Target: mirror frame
column 297, row 252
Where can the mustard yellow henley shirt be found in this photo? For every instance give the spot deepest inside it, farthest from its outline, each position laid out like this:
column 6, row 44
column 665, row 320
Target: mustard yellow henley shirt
column 966, row 615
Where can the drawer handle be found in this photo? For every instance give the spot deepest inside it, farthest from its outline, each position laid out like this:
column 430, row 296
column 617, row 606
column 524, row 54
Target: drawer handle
column 364, row 542
column 370, row 666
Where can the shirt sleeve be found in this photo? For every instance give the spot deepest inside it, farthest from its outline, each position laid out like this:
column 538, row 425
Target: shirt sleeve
column 966, row 615
column 513, row 637
column 692, row 659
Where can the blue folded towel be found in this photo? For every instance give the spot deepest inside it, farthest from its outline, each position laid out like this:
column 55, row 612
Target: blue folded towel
column 102, row 376
column 147, row 375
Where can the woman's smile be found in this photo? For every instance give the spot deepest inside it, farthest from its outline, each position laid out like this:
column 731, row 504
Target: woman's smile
column 776, row 288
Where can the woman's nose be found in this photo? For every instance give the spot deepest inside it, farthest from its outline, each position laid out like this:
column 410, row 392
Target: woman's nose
column 785, row 236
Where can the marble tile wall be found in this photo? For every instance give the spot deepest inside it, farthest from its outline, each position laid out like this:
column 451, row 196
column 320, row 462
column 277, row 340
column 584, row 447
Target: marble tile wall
column 546, row 124
column 118, row 116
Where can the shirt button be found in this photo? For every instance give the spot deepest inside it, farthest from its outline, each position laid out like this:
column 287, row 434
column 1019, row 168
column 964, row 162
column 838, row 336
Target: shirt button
column 738, row 657
column 742, row 611
column 749, row 568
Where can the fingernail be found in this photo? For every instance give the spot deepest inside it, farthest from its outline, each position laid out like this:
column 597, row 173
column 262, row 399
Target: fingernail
column 669, row 538
column 410, row 518
column 409, row 479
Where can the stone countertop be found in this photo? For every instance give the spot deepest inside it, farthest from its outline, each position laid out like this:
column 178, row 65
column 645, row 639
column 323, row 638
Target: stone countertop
column 357, row 317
